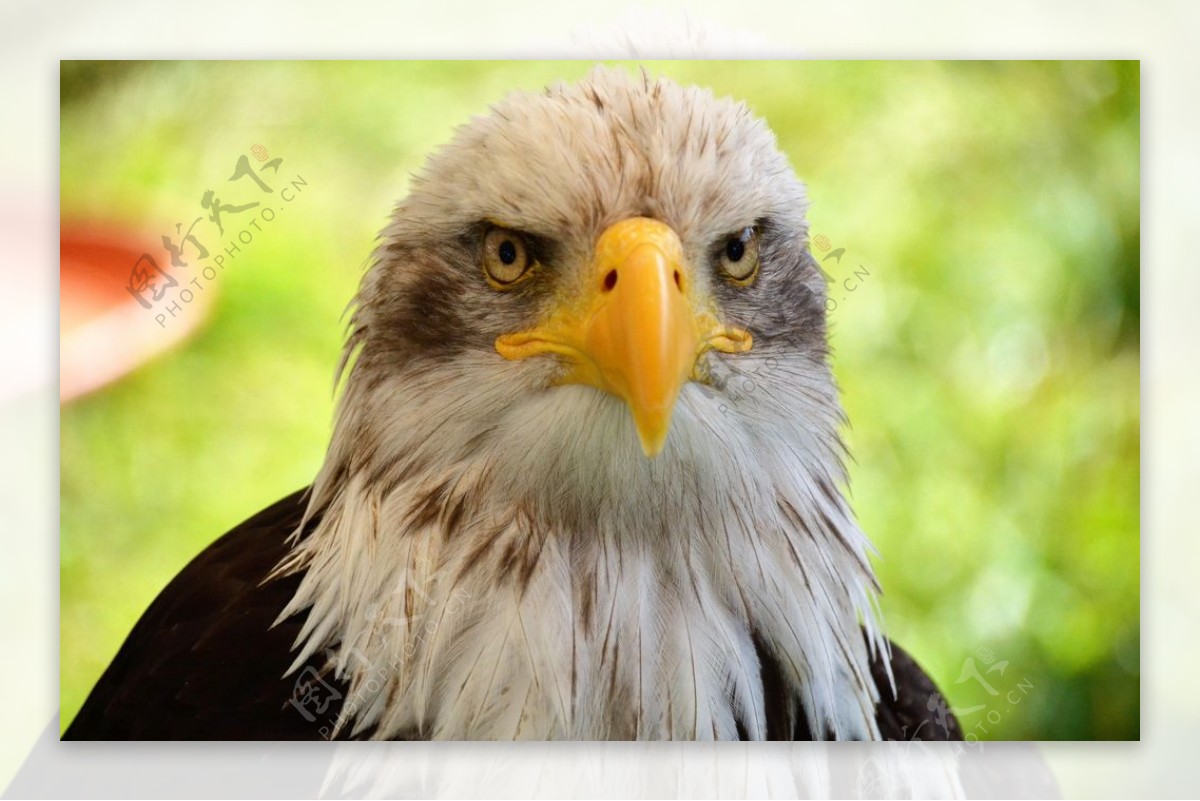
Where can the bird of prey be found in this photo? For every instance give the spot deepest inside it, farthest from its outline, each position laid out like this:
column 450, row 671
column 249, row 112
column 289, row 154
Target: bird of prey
column 555, row 504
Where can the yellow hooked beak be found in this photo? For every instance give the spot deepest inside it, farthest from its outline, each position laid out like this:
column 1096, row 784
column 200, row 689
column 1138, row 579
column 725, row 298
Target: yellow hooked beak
column 637, row 328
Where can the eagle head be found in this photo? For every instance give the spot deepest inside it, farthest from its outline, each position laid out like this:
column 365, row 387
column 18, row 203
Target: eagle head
column 585, row 475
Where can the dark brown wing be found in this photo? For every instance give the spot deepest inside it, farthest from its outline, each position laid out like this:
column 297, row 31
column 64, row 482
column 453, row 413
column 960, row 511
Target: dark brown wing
column 203, row 662
column 918, row 711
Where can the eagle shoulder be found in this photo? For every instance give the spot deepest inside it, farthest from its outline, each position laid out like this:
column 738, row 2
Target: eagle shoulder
column 204, row 662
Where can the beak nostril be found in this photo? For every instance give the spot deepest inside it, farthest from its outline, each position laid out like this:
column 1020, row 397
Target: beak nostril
column 678, row 281
column 610, row 280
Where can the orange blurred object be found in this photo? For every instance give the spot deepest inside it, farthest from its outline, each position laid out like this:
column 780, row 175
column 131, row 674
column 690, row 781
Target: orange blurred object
column 104, row 331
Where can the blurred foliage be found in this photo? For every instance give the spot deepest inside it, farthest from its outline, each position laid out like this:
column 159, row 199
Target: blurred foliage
column 984, row 321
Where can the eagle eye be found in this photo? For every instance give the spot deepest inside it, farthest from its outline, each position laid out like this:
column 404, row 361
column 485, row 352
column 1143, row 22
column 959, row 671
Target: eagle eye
column 739, row 256
column 506, row 257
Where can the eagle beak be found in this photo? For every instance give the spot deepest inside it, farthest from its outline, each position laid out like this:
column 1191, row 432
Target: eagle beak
column 637, row 328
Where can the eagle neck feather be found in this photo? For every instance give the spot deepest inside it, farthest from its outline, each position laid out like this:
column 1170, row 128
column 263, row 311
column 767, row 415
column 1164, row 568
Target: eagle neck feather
column 535, row 577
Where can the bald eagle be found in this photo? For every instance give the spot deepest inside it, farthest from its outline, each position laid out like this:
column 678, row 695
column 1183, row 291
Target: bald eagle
column 548, row 509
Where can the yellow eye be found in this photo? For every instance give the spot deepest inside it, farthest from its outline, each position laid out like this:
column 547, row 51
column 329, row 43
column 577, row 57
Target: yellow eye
column 739, row 256
column 506, row 257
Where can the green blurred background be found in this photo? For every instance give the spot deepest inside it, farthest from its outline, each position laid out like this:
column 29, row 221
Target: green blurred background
column 985, row 331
